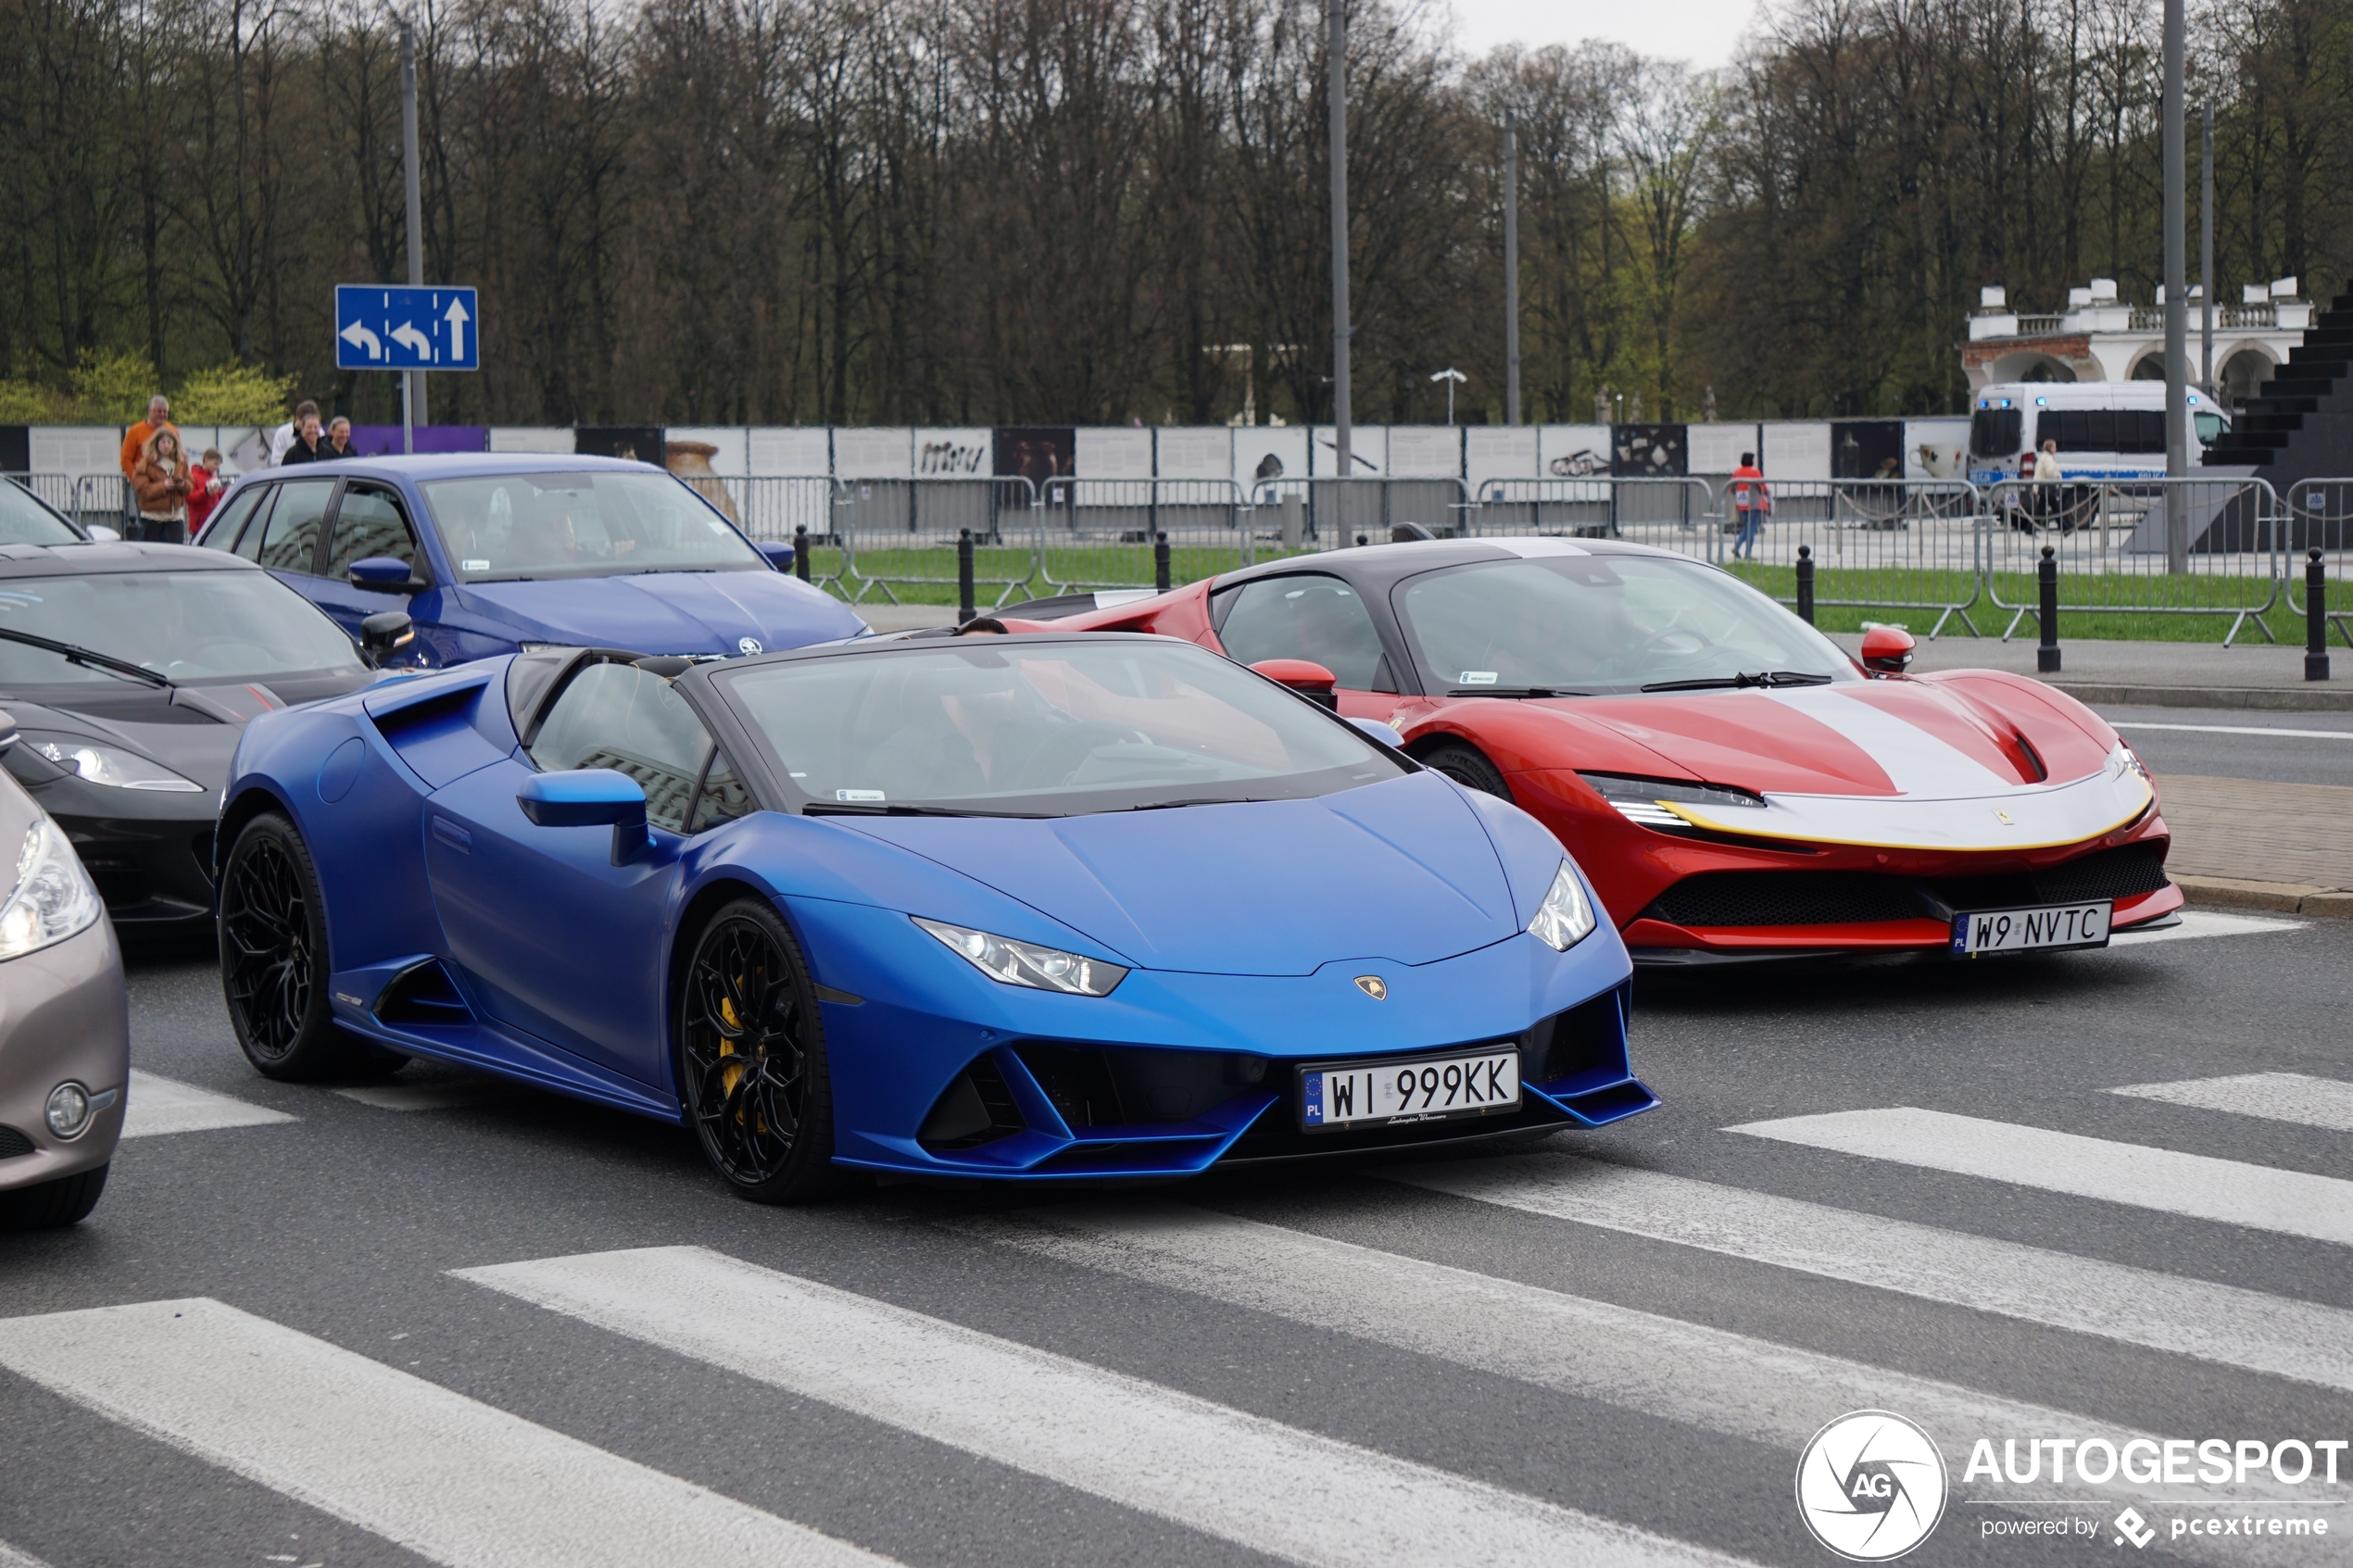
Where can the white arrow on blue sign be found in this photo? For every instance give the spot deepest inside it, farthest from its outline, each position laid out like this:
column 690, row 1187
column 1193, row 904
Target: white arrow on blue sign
column 398, row 329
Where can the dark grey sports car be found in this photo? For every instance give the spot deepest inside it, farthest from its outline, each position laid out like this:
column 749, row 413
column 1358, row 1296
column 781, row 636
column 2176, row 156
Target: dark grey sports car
column 131, row 669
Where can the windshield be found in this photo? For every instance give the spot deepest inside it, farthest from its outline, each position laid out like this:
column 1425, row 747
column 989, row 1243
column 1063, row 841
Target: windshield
column 1044, row 728
column 1596, row 625
column 24, row 520
column 508, row 527
column 191, row 626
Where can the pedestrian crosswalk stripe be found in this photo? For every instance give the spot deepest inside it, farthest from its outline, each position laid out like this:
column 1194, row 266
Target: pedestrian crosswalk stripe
column 1273, row 1488
column 1705, row 1377
column 419, row 1096
column 2206, row 922
column 2258, row 1197
column 2278, row 1097
column 447, row 1476
column 11, row 1558
column 2224, row 1324
column 156, row 1105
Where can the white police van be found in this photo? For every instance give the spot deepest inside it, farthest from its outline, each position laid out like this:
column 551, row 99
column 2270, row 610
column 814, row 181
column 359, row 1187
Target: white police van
column 2106, row 430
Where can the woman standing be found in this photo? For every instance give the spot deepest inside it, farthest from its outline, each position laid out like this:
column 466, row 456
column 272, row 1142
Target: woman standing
column 160, row 480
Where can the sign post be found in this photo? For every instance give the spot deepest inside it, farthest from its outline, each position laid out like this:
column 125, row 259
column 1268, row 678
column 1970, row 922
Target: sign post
column 382, row 328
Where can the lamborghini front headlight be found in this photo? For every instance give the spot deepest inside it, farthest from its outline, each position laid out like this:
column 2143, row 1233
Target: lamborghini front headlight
column 1565, row 917
column 1025, row 963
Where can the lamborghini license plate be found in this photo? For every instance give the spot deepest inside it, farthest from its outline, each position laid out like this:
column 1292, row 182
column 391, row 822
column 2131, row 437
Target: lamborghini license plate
column 1430, row 1088
column 2019, row 931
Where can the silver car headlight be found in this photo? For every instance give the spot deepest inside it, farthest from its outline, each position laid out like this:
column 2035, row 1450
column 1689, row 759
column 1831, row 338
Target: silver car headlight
column 1565, row 917
column 112, row 765
column 53, row 898
column 1025, row 963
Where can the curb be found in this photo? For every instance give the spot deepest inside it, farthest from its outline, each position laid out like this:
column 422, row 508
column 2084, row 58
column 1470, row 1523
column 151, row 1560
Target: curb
column 2321, row 696
column 2276, row 897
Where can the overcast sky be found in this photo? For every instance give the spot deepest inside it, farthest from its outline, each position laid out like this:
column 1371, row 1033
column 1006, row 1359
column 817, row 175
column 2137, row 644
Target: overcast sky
column 1702, row 32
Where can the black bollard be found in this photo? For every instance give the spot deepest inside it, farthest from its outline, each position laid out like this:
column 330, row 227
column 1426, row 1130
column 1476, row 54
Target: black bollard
column 2316, row 618
column 965, row 610
column 2047, row 655
column 1160, row 561
column 800, row 552
column 1805, row 583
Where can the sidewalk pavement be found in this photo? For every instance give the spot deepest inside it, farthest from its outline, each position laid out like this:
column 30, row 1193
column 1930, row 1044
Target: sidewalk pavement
column 2249, row 676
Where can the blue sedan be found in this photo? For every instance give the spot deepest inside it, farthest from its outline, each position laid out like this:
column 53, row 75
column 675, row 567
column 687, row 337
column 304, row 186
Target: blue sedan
column 494, row 554
column 1052, row 909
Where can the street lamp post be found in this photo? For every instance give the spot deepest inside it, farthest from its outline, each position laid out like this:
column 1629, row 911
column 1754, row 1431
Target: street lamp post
column 1452, row 378
column 1337, row 11
column 2177, row 311
column 412, row 401
column 1511, row 273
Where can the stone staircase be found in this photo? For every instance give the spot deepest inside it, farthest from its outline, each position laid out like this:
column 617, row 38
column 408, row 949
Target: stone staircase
column 2300, row 424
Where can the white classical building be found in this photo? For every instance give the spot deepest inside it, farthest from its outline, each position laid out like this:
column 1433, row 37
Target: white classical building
column 2101, row 338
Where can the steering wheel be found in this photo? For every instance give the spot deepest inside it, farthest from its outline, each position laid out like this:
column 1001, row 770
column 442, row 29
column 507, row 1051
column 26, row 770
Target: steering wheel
column 1062, row 753
column 1700, row 642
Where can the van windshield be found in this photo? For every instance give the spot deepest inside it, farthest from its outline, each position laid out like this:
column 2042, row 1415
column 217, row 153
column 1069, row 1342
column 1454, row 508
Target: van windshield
column 1993, row 433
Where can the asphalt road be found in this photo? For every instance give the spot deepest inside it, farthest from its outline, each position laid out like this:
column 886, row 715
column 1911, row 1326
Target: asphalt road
column 1609, row 1349
column 2223, row 743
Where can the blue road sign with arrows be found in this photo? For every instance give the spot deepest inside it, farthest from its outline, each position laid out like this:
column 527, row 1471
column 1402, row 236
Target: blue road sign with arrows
column 379, row 328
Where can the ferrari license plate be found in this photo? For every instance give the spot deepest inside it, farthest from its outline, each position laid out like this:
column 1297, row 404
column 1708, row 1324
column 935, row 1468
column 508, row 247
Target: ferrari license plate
column 1428, row 1088
column 2019, row 931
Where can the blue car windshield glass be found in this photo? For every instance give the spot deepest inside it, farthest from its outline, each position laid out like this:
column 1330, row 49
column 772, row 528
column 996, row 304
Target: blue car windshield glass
column 1599, row 624
column 24, row 520
column 512, row 527
column 193, row 626
column 1024, row 727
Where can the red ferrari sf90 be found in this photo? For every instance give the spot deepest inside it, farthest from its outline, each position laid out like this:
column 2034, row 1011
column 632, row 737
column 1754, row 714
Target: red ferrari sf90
column 1735, row 785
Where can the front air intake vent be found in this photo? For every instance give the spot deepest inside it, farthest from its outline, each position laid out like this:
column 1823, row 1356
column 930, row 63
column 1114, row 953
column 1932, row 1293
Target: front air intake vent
column 13, row 1143
column 1733, row 898
column 977, row 1107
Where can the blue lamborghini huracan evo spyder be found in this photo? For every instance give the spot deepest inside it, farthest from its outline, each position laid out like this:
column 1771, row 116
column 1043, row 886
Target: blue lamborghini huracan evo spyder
column 1056, row 907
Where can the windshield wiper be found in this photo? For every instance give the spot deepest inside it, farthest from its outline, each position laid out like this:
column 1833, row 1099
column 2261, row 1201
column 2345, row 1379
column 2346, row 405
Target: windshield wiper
column 1198, row 800
column 1764, row 678
column 90, row 658
column 1514, row 691
column 861, row 809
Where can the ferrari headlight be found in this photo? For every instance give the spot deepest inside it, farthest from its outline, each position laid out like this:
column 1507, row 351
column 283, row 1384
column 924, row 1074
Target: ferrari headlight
column 53, row 898
column 1025, row 963
column 2121, row 761
column 1565, row 917
column 112, row 765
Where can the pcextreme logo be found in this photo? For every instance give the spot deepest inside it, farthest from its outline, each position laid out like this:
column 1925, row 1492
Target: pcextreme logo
column 1870, row 1485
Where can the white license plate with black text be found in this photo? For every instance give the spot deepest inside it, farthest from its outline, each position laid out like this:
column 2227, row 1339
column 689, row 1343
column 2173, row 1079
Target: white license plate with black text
column 1428, row 1088
column 2019, row 931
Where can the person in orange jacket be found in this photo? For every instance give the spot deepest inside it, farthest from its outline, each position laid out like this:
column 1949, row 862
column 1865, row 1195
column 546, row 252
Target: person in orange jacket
column 1753, row 499
column 134, row 439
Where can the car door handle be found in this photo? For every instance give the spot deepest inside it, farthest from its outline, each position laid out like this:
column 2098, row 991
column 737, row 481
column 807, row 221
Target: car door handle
column 452, row 835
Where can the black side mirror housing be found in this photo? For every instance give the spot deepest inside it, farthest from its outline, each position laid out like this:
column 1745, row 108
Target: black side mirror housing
column 383, row 634
column 385, row 574
column 779, row 554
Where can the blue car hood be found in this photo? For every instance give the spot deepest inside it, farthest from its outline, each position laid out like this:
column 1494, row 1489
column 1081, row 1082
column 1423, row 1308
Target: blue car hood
column 682, row 612
column 1401, row 871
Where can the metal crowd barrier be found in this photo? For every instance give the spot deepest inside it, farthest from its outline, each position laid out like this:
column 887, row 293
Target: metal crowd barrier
column 2128, row 548
column 2318, row 516
column 103, row 498
column 903, row 534
column 57, row 489
column 1672, row 513
column 1102, row 532
column 1874, row 544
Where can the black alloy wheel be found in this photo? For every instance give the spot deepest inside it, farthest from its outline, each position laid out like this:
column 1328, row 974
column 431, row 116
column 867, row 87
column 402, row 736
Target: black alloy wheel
column 751, row 1058
column 274, row 960
column 1468, row 766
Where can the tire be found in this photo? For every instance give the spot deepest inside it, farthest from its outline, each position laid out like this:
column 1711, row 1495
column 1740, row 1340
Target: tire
column 746, row 993
column 1468, row 766
column 273, row 960
column 53, row 1205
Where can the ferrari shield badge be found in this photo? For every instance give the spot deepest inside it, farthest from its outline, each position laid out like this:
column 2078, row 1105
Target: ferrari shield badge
column 1374, row 986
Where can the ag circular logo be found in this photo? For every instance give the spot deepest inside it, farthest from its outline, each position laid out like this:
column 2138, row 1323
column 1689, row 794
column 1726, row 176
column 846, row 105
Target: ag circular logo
column 1870, row 1485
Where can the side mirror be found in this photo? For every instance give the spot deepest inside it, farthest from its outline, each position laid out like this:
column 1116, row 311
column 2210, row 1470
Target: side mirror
column 8, row 732
column 1887, row 650
column 1304, row 676
column 590, row 797
column 779, row 554
column 383, row 574
column 1380, row 729
column 101, row 534
column 385, row 633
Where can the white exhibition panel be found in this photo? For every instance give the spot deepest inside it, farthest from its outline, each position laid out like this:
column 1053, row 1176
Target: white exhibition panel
column 795, row 451
column 1425, row 451
column 732, row 460
column 964, row 452
column 1112, row 452
column 76, row 449
column 1265, row 452
column 1194, row 452
column 1799, row 451
column 1368, row 451
column 1936, row 448
column 1572, row 451
column 554, row 439
column 886, row 453
column 1716, row 448
column 1498, row 452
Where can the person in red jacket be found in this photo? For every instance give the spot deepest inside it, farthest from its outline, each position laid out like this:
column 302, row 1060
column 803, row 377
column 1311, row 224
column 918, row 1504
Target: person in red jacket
column 1753, row 499
column 204, row 491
